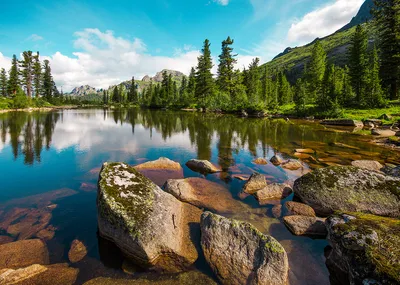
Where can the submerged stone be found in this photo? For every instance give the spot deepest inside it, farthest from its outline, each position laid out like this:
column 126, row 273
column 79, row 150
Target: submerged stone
column 202, row 166
column 149, row 225
column 255, row 183
column 23, row 253
column 292, row 164
column 276, row 160
column 239, row 254
column 343, row 122
column 367, row 164
column 160, row 170
column 365, row 249
column 260, row 161
column 305, row 225
column 273, row 191
column 295, row 208
column 77, row 251
column 342, row 188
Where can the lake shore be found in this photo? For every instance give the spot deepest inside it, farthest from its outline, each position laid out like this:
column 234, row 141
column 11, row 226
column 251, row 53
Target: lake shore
column 41, row 109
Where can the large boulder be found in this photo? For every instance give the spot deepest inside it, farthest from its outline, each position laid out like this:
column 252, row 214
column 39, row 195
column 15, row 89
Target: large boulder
column 365, row 249
column 203, row 194
column 342, row 188
column 160, row 170
column 202, row 166
column 23, row 253
column 149, row 225
column 368, row 164
column 239, row 254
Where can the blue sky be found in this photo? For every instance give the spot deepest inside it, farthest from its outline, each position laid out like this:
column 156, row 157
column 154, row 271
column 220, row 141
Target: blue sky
column 101, row 42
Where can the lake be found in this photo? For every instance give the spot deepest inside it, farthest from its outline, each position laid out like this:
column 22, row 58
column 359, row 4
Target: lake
column 49, row 165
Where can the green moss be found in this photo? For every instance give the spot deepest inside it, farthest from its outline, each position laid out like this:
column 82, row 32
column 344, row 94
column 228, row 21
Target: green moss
column 127, row 206
column 384, row 255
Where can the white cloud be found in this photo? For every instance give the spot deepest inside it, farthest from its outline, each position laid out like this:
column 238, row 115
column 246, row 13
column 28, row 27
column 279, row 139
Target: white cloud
column 222, row 2
column 323, row 21
column 5, row 62
column 34, row 38
column 105, row 60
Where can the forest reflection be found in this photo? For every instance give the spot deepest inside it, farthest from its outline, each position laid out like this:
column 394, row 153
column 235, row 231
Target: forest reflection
column 30, row 133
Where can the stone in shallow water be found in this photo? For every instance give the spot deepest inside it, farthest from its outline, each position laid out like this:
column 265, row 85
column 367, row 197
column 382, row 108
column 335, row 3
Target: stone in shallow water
column 305, row 150
column 255, row 183
column 273, row 191
column 202, row 166
column 150, row 226
column 160, row 170
column 203, row 194
column 276, row 160
column 23, row 253
column 304, row 225
column 77, row 251
column 292, row 164
column 260, row 161
column 367, row 164
column 295, row 208
column 343, row 188
column 251, row 258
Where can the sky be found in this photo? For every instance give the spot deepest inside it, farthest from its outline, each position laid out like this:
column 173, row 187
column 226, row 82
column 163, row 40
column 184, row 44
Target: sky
column 103, row 42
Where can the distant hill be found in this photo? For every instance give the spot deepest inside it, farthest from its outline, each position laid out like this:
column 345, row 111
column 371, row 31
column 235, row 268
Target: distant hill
column 293, row 60
column 83, row 90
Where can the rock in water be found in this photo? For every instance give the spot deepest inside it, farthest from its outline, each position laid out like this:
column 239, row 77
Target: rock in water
column 77, row 251
column 149, row 225
column 292, row 164
column 276, row 160
column 160, row 170
column 260, row 161
column 202, row 166
column 303, row 225
column 273, row 191
column 295, row 208
column 342, row 188
column 365, row 249
column 239, row 254
column 255, row 183
column 23, row 253
column 368, row 164
column 383, row 133
column 204, row 194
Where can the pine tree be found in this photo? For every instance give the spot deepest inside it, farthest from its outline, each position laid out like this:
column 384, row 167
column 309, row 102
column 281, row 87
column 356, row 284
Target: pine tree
column 3, row 83
column 191, row 85
column 252, row 82
column 47, row 87
column 133, row 94
column 116, row 96
column 37, row 75
column 266, row 86
column 299, row 97
column 316, row 70
column 387, row 15
column 183, row 92
column 226, row 65
column 26, row 65
column 374, row 93
column 204, row 79
column 13, row 80
column 358, row 63
column 347, row 95
column 284, row 94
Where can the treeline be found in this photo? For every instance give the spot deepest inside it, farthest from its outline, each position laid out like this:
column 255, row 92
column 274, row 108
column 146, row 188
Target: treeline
column 29, row 78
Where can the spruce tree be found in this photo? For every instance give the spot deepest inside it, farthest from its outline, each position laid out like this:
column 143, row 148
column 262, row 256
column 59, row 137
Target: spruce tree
column 37, row 75
column 284, row 94
column 191, row 85
column 47, row 87
column 26, row 65
column 116, row 95
column 316, row 70
column 299, row 97
column 387, row 16
column 3, row 83
column 133, row 94
column 205, row 87
column 226, row 65
column 374, row 93
column 183, row 92
column 13, row 80
column 252, row 82
column 358, row 63
column 266, row 86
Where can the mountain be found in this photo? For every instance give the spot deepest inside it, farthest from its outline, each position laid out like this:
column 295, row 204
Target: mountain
column 293, row 60
column 176, row 75
column 364, row 15
column 83, row 90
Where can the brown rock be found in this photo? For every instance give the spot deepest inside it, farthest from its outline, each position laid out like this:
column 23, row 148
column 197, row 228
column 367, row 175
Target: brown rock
column 277, row 211
column 77, row 251
column 88, row 187
column 303, row 225
column 255, row 183
column 160, row 170
column 241, row 177
column 22, row 275
column 276, row 160
column 47, row 233
column 203, row 194
column 273, row 191
column 305, row 150
column 302, row 155
column 292, row 164
column 295, row 208
column 23, row 253
column 368, row 164
column 260, row 161
column 202, row 166
column 5, row 239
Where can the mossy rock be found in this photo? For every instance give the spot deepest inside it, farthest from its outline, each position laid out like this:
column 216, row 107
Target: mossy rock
column 342, row 188
column 365, row 247
column 251, row 258
column 150, row 226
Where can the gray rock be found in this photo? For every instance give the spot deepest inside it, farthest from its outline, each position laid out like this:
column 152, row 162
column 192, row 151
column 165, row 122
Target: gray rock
column 202, row 166
column 395, row 172
column 368, row 164
column 343, row 122
column 255, row 183
column 239, row 254
column 362, row 246
column 383, row 133
column 150, row 226
column 304, row 225
column 342, row 188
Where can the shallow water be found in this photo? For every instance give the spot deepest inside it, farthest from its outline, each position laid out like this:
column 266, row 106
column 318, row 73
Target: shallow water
column 49, row 164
